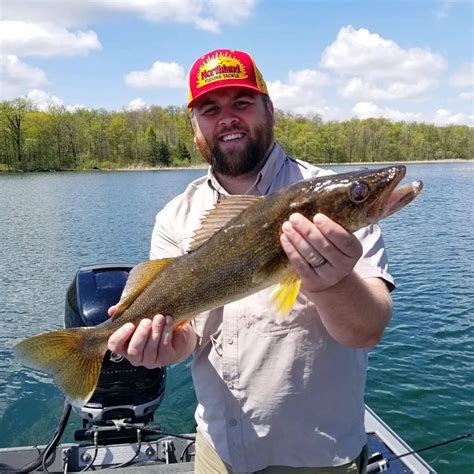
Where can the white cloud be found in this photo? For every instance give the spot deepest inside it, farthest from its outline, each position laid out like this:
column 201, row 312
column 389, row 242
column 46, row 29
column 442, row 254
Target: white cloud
column 16, row 77
column 381, row 69
column 443, row 9
column 365, row 110
column 44, row 101
column 360, row 89
column 75, row 107
column 446, row 117
column 231, row 11
column 359, row 52
column 33, row 39
column 301, row 94
column 467, row 97
column 203, row 14
column 464, row 76
column 161, row 74
column 136, row 104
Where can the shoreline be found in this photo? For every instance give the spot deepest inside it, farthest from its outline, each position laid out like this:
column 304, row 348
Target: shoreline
column 204, row 166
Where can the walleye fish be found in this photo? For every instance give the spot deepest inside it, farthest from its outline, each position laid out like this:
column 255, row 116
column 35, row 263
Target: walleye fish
column 234, row 254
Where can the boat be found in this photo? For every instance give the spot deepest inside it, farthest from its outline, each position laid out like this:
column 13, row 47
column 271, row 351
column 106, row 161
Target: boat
column 119, row 432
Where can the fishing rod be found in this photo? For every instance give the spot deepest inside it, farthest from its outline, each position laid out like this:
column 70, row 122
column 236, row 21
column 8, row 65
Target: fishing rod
column 377, row 463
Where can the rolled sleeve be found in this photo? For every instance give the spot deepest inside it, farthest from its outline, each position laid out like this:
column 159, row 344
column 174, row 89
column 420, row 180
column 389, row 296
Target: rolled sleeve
column 163, row 243
column 374, row 261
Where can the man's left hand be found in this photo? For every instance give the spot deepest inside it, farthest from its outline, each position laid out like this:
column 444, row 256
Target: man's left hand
column 322, row 252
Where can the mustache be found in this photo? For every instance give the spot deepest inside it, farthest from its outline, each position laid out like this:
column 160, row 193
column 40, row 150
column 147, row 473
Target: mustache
column 233, row 127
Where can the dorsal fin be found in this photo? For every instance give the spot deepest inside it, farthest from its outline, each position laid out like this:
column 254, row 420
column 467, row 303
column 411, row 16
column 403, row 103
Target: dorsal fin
column 140, row 277
column 216, row 218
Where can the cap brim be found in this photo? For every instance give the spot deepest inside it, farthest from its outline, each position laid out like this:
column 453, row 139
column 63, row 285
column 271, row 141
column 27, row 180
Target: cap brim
column 192, row 103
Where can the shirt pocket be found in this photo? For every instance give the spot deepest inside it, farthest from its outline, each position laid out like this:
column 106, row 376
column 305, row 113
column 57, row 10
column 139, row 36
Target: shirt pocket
column 261, row 317
column 208, row 324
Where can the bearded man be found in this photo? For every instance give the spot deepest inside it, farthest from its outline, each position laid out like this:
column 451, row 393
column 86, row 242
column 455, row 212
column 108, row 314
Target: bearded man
column 273, row 396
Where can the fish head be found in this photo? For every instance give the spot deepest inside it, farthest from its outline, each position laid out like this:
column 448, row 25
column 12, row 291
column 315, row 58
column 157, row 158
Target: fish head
column 359, row 198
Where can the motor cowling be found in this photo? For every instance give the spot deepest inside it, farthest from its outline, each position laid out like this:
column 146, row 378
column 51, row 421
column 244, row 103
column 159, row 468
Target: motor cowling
column 123, row 390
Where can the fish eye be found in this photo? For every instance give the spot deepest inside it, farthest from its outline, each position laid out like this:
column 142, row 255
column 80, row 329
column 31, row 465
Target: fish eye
column 359, row 192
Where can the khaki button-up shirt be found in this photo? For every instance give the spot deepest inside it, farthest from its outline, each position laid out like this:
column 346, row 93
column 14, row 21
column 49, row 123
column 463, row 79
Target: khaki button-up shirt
column 272, row 392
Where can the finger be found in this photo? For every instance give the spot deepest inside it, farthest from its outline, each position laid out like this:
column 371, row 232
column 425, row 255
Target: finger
column 118, row 341
column 150, row 352
column 320, row 243
column 166, row 349
column 166, row 337
column 345, row 241
column 138, row 342
column 302, row 235
column 298, row 262
column 112, row 310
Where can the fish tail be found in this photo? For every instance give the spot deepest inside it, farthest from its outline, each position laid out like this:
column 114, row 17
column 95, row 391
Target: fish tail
column 72, row 360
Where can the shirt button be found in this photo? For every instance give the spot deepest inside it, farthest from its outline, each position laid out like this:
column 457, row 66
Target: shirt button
column 230, row 384
column 233, row 422
column 230, row 341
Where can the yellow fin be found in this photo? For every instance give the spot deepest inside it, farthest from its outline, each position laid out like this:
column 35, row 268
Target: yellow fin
column 68, row 356
column 140, row 277
column 216, row 218
column 284, row 295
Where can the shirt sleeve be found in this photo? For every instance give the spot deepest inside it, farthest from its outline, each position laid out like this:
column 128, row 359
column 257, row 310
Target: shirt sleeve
column 164, row 243
column 374, row 261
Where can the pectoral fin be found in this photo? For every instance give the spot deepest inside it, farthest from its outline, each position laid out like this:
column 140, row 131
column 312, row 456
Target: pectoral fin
column 284, row 295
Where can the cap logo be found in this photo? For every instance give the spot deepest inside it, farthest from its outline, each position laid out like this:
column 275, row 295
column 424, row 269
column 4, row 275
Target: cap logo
column 219, row 68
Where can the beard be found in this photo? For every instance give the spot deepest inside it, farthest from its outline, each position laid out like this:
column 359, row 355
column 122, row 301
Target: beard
column 238, row 163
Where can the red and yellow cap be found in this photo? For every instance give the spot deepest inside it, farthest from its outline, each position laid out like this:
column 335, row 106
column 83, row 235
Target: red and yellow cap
column 224, row 68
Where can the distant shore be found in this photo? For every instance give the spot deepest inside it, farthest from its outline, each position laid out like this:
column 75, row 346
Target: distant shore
column 204, row 166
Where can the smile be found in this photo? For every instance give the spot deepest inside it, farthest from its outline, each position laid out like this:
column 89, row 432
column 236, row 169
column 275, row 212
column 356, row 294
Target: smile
column 232, row 136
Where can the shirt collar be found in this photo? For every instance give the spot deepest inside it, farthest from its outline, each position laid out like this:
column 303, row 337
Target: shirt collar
column 265, row 177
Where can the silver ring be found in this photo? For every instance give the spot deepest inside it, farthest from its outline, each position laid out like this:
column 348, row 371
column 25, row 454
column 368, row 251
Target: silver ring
column 319, row 263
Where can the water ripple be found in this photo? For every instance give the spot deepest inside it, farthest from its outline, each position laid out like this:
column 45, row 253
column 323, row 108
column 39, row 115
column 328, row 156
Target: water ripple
column 420, row 378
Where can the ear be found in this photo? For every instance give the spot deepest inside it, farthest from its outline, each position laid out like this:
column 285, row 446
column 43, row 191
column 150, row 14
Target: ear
column 271, row 110
column 195, row 126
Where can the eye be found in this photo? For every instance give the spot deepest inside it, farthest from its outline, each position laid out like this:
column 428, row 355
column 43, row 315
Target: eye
column 241, row 104
column 359, row 192
column 212, row 109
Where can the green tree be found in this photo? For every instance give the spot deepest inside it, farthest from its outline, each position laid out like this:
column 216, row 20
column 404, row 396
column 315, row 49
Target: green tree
column 153, row 152
column 164, row 153
column 13, row 115
column 183, row 153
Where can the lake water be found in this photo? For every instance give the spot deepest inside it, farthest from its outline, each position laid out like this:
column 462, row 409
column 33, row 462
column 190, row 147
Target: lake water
column 421, row 378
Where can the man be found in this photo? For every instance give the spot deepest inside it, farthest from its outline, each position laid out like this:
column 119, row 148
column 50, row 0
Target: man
column 273, row 396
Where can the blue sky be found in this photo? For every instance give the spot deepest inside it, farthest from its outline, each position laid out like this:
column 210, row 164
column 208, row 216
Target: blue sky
column 405, row 60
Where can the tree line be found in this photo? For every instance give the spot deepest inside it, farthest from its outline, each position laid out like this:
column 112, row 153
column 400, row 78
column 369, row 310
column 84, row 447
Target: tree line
column 58, row 139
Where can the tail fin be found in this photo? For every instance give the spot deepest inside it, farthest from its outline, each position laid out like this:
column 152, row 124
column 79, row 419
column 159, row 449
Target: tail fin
column 65, row 354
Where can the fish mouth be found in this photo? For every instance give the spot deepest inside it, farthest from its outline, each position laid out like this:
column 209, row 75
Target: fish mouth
column 392, row 199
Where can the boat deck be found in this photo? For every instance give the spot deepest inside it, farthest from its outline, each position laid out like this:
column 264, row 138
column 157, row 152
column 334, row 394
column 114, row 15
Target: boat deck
column 175, row 455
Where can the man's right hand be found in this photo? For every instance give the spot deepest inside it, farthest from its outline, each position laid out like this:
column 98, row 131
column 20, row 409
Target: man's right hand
column 153, row 343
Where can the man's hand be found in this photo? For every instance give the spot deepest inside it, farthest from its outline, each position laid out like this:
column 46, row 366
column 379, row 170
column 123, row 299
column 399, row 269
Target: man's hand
column 153, row 343
column 307, row 243
column 353, row 310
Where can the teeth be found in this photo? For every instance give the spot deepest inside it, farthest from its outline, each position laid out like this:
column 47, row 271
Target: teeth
column 233, row 136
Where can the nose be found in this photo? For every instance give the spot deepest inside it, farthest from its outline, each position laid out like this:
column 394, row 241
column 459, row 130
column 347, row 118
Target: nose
column 227, row 117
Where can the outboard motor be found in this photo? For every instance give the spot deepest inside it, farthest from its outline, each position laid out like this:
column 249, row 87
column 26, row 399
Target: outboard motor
column 123, row 391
